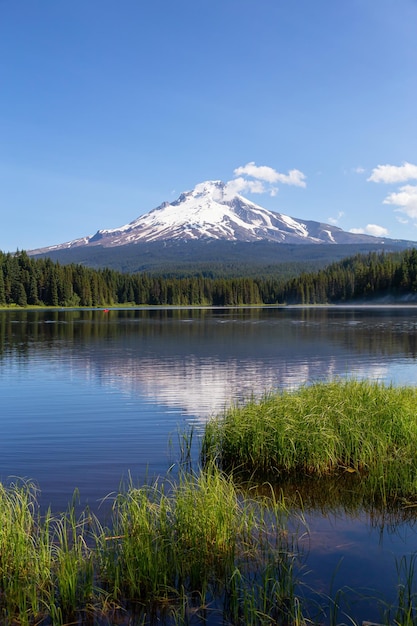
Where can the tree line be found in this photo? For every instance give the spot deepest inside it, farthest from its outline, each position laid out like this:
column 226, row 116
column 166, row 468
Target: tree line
column 360, row 277
column 27, row 281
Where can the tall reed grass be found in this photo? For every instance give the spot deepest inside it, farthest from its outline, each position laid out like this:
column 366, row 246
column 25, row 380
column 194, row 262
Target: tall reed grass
column 199, row 546
column 353, row 427
column 25, row 554
column 172, row 553
column 194, row 552
column 201, row 549
column 45, row 563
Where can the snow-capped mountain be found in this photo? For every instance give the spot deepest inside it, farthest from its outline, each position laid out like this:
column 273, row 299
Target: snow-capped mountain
column 211, row 212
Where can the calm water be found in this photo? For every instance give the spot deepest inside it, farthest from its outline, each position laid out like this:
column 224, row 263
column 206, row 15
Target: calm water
column 89, row 398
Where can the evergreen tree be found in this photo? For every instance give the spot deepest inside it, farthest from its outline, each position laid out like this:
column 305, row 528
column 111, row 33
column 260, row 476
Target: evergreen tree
column 21, row 299
column 2, row 289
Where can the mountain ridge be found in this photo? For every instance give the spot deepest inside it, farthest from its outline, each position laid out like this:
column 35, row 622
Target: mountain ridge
column 213, row 212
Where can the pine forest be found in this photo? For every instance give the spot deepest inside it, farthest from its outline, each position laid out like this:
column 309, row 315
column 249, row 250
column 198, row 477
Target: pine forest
column 25, row 281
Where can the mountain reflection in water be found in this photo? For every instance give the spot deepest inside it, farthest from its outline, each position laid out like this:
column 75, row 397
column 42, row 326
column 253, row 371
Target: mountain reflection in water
column 199, row 361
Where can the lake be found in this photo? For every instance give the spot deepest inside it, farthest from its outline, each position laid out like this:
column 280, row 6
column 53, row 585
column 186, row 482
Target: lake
column 92, row 398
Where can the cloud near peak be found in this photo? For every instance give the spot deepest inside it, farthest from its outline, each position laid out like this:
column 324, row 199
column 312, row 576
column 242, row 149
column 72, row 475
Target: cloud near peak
column 240, row 185
column 254, row 178
column 269, row 175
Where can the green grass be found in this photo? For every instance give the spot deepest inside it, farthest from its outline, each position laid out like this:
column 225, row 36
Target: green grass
column 197, row 546
column 45, row 563
column 172, row 551
column 204, row 548
column 337, row 428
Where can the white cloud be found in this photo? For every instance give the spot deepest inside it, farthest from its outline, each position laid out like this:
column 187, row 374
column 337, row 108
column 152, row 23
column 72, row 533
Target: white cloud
column 252, row 178
column 269, row 175
column 393, row 173
column 377, row 231
column 406, row 198
column 240, row 185
column 370, row 229
column 262, row 172
column 335, row 220
column 358, row 170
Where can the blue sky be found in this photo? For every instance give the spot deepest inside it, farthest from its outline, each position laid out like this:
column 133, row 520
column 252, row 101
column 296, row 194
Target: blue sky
column 110, row 107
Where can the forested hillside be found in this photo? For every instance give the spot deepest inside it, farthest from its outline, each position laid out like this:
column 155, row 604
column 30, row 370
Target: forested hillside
column 367, row 277
column 215, row 259
column 27, row 281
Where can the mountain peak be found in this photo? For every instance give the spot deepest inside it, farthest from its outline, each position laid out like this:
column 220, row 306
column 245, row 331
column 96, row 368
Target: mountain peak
column 214, row 211
column 214, row 188
column 208, row 191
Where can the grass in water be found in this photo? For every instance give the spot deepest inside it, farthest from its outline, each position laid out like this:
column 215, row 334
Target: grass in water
column 200, row 548
column 352, row 427
column 45, row 564
column 24, row 558
column 172, row 553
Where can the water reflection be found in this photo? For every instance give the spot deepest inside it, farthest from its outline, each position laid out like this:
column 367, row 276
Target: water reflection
column 88, row 394
column 201, row 360
column 89, row 398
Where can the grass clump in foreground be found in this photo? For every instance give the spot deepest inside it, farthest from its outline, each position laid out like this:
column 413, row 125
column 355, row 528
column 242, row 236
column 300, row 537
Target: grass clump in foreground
column 45, row 565
column 356, row 427
column 200, row 549
column 173, row 553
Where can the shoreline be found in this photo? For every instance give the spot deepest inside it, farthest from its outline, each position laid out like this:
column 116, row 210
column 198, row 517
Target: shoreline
column 174, row 307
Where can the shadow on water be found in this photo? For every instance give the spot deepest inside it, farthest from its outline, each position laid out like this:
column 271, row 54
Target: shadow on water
column 356, row 556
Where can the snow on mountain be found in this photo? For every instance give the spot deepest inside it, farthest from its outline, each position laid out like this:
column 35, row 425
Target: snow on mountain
column 210, row 211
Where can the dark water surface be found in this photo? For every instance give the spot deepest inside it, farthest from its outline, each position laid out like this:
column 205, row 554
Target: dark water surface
column 89, row 398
